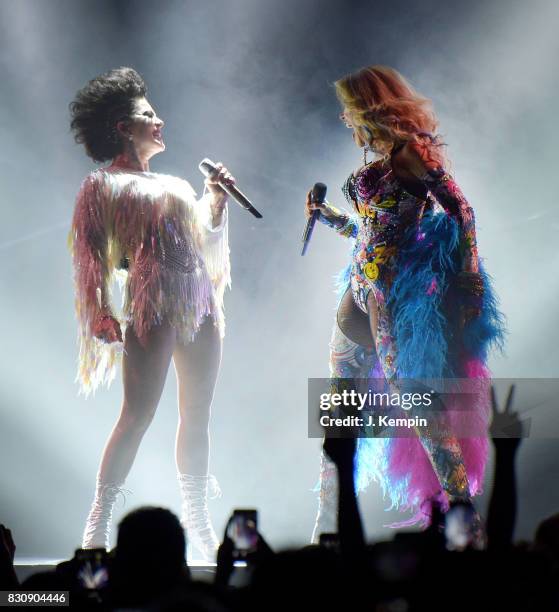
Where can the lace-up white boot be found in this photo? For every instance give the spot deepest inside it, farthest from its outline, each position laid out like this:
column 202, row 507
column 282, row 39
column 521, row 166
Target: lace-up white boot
column 98, row 525
column 195, row 517
column 327, row 516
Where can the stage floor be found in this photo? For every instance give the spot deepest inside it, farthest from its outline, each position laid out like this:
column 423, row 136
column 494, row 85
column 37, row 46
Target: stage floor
column 26, row 566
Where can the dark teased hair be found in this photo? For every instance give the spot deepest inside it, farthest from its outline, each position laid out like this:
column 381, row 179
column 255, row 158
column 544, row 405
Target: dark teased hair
column 99, row 105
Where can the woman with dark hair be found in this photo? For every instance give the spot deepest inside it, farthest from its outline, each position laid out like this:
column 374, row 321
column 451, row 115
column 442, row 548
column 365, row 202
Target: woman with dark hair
column 415, row 301
column 173, row 252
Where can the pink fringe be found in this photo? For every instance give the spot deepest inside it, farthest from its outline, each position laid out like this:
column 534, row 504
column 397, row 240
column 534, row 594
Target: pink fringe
column 423, row 485
column 143, row 216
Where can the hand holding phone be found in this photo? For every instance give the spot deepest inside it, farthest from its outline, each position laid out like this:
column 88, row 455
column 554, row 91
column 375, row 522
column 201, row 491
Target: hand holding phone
column 92, row 572
column 331, row 541
column 460, row 526
column 242, row 529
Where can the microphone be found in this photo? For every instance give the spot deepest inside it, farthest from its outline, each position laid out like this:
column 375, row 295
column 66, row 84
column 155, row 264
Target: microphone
column 318, row 196
column 208, row 169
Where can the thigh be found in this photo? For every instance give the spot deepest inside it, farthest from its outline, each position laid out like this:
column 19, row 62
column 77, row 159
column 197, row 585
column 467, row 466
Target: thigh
column 349, row 359
column 145, row 364
column 197, row 363
column 353, row 322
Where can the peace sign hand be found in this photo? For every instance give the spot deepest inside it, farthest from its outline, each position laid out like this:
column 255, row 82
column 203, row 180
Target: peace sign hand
column 506, row 428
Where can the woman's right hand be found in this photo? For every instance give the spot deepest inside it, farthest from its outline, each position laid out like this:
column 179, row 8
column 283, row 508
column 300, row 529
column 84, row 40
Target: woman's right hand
column 311, row 206
column 107, row 329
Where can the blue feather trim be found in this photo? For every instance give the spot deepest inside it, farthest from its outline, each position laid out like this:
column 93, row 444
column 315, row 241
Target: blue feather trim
column 428, row 260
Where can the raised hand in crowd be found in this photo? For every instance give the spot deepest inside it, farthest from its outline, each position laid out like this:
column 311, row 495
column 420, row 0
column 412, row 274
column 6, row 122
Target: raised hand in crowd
column 8, row 578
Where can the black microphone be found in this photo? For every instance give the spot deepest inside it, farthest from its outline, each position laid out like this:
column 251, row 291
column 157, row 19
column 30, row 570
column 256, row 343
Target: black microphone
column 318, row 196
column 209, row 169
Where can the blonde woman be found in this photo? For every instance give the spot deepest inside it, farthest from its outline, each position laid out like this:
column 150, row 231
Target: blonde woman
column 415, row 301
column 175, row 255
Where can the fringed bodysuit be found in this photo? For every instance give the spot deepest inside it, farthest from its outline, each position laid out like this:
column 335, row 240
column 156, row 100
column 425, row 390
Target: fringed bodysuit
column 151, row 229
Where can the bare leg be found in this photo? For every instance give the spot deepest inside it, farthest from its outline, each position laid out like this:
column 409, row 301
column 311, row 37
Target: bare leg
column 144, row 370
column 196, row 366
column 145, row 367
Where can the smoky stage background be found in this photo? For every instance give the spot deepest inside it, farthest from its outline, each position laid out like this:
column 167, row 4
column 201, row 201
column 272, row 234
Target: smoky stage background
column 249, row 82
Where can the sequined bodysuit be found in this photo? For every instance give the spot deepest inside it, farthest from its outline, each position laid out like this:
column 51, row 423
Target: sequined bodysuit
column 386, row 210
column 408, row 249
column 384, row 213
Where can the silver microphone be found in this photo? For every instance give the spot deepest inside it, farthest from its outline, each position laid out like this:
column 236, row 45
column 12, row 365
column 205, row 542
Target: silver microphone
column 209, row 169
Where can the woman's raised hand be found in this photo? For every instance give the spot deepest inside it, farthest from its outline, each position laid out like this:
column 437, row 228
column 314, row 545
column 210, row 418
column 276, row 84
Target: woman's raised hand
column 221, row 176
column 107, row 329
column 219, row 195
column 311, row 206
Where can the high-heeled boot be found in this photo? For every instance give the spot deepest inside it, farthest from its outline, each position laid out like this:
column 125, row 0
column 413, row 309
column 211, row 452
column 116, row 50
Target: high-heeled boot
column 98, row 524
column 195, row 517
column 327, row 516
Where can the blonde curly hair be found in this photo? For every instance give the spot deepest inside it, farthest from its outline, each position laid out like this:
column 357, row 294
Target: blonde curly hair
column 382, row 101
